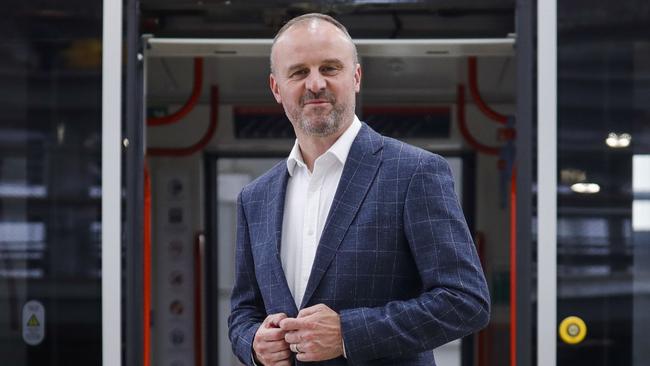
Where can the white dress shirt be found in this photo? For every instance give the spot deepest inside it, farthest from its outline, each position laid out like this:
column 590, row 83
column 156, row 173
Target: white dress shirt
column 306, row 206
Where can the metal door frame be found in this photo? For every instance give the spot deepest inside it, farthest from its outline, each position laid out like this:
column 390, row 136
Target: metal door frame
column 546, row 182
column 111, row 182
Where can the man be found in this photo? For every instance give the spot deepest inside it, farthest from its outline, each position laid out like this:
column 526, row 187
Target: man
column 353, row 251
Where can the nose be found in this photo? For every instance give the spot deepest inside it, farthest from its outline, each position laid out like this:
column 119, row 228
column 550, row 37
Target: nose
column 315, row 82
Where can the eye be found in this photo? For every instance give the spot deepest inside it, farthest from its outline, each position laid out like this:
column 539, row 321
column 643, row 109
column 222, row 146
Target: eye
column 299, row 73
column 329, row 70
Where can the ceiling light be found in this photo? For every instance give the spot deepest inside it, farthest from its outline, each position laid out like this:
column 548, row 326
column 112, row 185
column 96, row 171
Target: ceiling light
column 624, row 139
column 617, row 141
column 587, row 188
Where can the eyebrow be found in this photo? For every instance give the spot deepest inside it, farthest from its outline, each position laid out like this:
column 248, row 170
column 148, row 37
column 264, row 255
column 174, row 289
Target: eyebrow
column 328, row 61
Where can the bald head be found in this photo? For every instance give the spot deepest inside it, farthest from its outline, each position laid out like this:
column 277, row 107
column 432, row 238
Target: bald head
column 310, row 22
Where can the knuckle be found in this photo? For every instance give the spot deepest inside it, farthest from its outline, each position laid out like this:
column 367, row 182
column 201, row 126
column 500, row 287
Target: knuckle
column 308, row 347
column 304, row 357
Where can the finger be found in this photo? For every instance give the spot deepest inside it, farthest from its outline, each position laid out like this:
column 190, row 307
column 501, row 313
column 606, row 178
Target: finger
column 271, row 347
column 273, row 320
column 308, row 357
column 283, row 363
column 272, row 334
column 278, row 356
column 295, row 336
column 289, row 324
column 312, row 310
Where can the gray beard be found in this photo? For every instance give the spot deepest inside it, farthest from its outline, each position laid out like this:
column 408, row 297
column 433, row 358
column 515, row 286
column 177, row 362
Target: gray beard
column 329, row 126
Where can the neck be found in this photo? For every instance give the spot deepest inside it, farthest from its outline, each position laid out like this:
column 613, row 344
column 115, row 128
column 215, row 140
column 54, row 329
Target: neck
column 311, row 147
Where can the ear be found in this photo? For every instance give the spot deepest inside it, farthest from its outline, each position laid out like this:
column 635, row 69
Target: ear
column 275, row 89
column 357, row 78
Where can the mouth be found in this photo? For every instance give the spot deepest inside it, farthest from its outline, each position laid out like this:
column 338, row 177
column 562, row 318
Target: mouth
column 317, row 102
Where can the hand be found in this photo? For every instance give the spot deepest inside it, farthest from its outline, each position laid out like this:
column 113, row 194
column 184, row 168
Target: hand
column 269, row 346
column 315, row 335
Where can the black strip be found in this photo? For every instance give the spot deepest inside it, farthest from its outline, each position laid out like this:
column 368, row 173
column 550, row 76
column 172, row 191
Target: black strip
column 526, row 29
column 211, row 260
column 469, row 209
column 132, row 327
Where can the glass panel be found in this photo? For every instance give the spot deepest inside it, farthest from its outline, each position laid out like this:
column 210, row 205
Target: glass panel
column 232, row 175
column 50, row 141
column 603, row 219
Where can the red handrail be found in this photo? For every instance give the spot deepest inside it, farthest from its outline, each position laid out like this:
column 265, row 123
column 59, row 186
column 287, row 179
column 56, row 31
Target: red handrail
column 203, row 142
column 462, row 125
column 476, row 95
column 189, row 104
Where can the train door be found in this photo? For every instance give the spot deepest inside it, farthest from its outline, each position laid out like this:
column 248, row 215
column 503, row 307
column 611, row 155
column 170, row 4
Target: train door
column 60, row 168
column 592, row 212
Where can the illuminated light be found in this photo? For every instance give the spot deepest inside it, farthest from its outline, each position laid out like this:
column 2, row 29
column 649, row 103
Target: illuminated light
column 587, row 188
column 624, row 140
column 612, row 140
column 617, row 141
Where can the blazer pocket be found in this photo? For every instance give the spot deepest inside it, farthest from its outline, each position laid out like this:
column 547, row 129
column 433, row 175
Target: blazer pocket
column 376, row 219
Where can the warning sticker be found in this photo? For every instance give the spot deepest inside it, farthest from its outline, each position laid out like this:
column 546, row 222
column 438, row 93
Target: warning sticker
column 33, row 322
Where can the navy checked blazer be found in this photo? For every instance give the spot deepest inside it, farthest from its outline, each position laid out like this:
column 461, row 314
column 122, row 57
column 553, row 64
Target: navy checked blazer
column 395, row 260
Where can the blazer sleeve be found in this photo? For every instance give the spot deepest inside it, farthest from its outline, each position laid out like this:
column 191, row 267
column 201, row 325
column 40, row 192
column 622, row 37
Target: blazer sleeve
column 247, row 307
column 455, row 300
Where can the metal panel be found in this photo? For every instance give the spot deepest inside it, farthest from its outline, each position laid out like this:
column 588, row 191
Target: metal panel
column 134, row 181
column 524, row 160
column 192, row 47
column 111, row 183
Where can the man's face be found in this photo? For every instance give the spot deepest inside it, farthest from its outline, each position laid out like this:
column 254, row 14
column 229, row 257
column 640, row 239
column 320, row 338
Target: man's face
column 315, row 77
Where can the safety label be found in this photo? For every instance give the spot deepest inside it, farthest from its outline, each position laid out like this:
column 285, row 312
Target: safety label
column 33, row 322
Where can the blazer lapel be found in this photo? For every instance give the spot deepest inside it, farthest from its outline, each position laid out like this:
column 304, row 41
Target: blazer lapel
column 275, row 196
column 358, row 174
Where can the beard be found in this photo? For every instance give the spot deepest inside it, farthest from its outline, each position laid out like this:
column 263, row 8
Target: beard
column 320, row 122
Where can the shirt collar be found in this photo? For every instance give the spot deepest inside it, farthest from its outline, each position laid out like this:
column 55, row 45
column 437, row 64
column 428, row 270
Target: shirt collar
column 340, row 149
